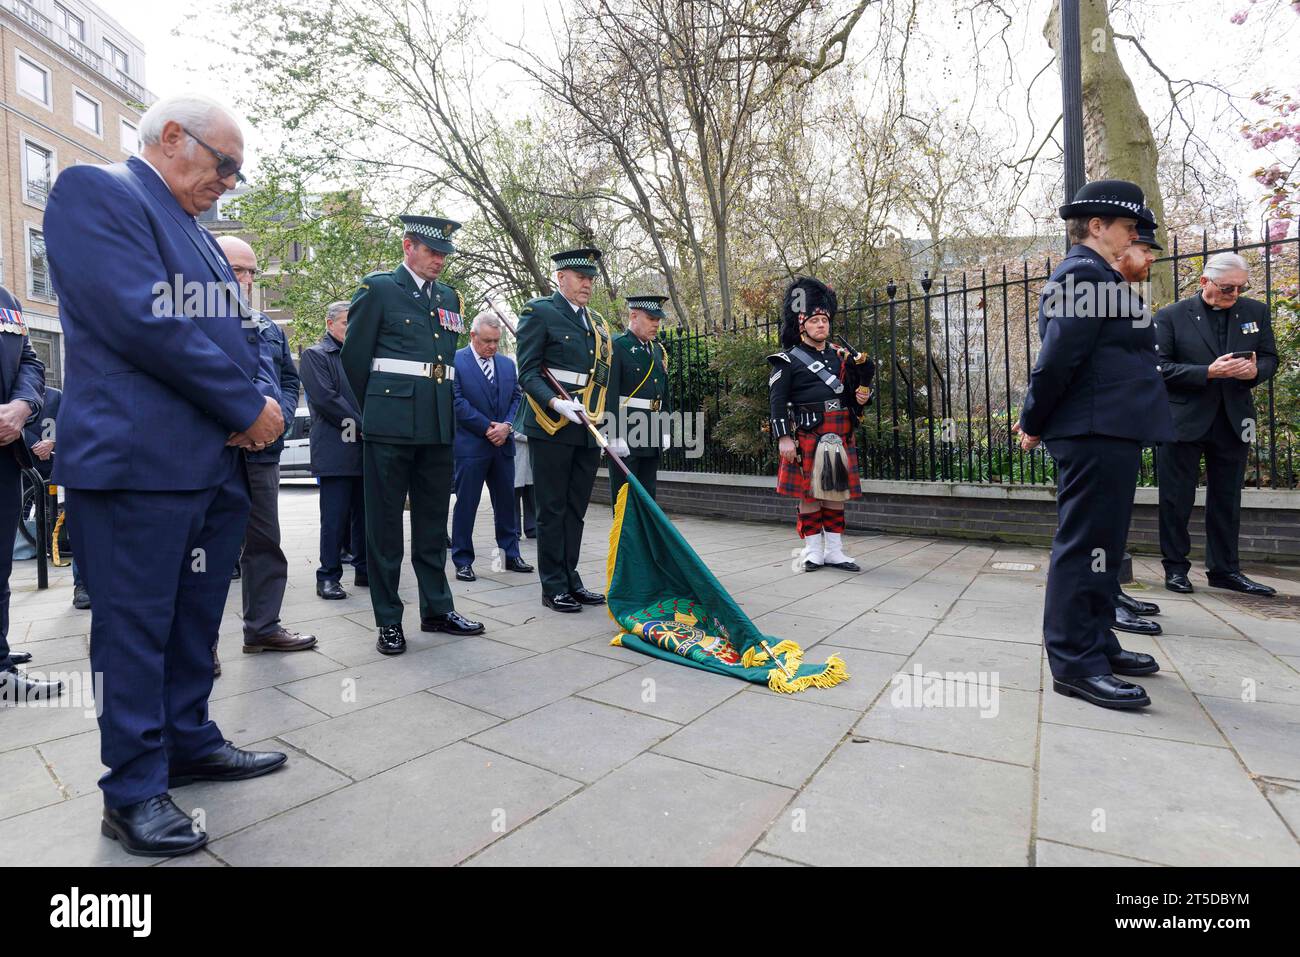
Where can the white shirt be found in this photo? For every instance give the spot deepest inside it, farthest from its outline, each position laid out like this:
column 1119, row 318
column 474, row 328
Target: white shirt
column 576, row 308
column 419, row 283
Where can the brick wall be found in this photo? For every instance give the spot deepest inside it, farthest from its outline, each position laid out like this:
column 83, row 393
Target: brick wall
column 1270, row 520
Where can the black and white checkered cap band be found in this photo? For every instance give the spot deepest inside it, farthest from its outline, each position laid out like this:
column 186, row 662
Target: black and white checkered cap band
column 649, row 304
column 433, row 232
column 574, row 261
column 1136, row 207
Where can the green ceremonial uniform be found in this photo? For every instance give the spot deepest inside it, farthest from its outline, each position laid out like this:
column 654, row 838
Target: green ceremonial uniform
column 407, row 423
column 639, row 403
column 576, row 347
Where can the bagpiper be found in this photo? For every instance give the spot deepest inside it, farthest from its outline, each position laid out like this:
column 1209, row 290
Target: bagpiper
column 817, row 394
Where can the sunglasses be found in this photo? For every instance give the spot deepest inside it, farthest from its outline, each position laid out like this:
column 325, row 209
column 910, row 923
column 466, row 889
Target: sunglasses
column 1230, row 289
column 227, row 166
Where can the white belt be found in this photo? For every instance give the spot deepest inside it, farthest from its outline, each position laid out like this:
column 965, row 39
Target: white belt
column 424, row 370
column 639, row 403
column 565, row 377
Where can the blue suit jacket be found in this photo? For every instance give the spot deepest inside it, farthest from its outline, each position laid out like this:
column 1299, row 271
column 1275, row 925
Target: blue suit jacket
column 478, row 404
column 1097, row 372
column 22, row 374
column 157, row 377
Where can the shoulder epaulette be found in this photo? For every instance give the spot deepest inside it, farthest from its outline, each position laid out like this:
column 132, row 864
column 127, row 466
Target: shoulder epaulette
column 778, row 355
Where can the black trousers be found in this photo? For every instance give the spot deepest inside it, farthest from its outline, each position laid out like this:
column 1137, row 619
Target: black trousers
column 391, row 471
column 1095, row 479
column 263, row 568
column 342, row 523
column 1179, row 464
column 644, row 467
column 565, row 475
column 11, row 500
column 526, row 520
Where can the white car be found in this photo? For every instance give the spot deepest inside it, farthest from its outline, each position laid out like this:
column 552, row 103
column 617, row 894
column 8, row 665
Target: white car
column 295, row 459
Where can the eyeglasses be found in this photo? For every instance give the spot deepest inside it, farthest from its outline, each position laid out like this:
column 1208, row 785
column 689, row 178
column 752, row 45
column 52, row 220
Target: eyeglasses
column 1230, row 289
column 252, row 273
column 227, row 166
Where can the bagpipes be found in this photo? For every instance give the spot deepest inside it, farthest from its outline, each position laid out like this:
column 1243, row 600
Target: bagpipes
column 857, row 372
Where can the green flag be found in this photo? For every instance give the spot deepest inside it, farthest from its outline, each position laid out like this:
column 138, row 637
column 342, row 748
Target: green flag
column 670, row 606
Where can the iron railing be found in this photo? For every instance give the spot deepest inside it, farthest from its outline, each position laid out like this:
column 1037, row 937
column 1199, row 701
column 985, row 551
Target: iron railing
column 953, row 358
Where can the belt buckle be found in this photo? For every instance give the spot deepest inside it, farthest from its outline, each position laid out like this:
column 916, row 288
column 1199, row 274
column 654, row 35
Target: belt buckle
column 438, row 373
column 832, row 405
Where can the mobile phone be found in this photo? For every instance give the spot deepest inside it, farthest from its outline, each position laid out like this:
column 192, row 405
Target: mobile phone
column 1243, row 355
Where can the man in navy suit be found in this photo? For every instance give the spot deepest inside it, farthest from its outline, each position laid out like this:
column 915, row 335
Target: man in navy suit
column 165, row 387
column 486, row 396
column 1095, row 399
column 22, row 395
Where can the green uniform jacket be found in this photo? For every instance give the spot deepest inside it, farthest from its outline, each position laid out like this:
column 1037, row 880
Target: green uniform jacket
column 390, row 318
column 552, row 335
column 638, row 371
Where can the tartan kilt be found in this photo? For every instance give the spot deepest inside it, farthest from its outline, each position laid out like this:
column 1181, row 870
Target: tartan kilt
column 795, row 478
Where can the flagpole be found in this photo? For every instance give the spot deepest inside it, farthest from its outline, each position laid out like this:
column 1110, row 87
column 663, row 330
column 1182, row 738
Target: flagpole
column 563, row 393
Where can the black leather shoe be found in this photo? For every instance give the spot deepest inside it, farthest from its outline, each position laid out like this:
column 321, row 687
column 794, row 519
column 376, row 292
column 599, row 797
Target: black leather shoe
column 1236, row 581
column 19, row 688
column 227, row 763
column 1125, row 620
column 80, row 598
column 517, row 564
column 1105, row 691
column 453, row 622
column 1133, row 663
column 1137, row 606
column 361, row 580
column 848, row 565
column 586, row 597
column 154, row 827
column 20, row 657
column 330, row 591
column 561, row 602
column 1178, row 583
column 465, row 573
column 392, row 640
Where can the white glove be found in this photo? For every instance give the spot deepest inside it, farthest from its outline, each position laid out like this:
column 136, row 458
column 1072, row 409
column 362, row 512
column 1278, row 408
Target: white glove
column 619, row 448
column 569, row 408
column 667, row 439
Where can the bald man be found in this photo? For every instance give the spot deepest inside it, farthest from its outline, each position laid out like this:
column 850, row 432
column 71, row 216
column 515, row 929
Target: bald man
column 263, row 569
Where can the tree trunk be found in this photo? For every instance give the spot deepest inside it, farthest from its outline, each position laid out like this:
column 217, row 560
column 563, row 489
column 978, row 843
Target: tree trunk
column 1117, row 138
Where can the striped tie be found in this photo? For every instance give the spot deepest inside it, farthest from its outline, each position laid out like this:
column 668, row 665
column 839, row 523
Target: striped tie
column 487, row 367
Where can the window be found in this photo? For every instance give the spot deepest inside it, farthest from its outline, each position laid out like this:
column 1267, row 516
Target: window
column 38, row 172
column 46, row 346
column 85, row 112
column 39, row 285
column 130, row 136
column 65, row 18
column 33, row 80
column 117, row 56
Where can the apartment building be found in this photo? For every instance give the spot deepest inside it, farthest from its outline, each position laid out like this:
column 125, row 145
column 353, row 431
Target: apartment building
column 72, row 91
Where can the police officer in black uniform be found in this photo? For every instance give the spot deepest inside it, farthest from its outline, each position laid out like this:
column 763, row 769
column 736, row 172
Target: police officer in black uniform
column 1095, row 399
column 1134, row 264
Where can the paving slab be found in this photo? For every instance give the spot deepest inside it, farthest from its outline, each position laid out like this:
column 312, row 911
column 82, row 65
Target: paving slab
column 1231, row 669
column 958, row 811
column 522, row 686
column 665, row 690
column 1052, row 854
column 876, row 631
column 869, row 672
column 1018, row 665
column 468, row 797
column 1266, row 735
column 652, row 812
column 1003, row 621
column 1164, row 801
column 760, row 737
column 28, row 783
column 363, row 743
column 579, row 739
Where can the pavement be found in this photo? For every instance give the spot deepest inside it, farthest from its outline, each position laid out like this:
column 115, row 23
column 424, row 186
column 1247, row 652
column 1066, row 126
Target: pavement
column 538, row 743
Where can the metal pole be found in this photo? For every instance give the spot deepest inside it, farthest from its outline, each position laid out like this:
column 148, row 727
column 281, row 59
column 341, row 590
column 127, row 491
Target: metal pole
column 1072, row 97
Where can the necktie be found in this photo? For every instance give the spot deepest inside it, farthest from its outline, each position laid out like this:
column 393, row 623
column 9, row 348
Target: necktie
column 487, row 367
column 582, row 314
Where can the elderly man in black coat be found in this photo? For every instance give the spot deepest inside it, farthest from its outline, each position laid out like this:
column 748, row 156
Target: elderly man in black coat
column 1215, row 347
column 335, row 455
